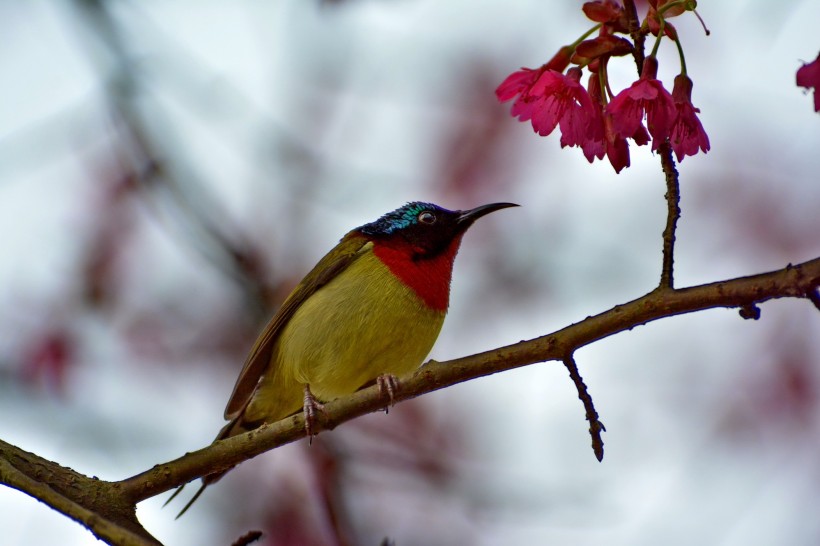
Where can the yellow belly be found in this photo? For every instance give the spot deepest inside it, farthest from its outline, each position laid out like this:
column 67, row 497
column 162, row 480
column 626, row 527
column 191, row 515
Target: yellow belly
column 362, row 324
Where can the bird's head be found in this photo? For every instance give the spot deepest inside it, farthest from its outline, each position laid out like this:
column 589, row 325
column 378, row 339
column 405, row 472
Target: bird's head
column 426, row 228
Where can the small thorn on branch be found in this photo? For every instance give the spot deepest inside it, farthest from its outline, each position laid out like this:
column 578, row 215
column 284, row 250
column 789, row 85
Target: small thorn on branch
column 596, row 427
column 750, row 311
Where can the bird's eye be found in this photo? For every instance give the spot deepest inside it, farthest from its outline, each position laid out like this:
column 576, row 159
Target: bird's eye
column 427, row 217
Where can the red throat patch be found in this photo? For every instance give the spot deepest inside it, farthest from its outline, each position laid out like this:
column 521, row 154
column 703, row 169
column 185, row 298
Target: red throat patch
column 428, row 278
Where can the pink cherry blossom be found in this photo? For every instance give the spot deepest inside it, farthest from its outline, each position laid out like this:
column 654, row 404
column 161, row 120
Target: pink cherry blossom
column 648, row 97
column 686, row 135
column 808, row 76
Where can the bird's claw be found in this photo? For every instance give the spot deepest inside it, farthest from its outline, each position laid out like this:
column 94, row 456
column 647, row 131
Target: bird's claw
column 388, row 386
column 312, row 408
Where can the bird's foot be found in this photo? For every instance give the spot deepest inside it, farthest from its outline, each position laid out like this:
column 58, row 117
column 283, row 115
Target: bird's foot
column 312, row 408
column 388, row 387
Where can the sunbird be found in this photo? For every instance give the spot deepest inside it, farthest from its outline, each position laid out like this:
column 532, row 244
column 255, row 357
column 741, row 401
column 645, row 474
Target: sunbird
column 370, row 310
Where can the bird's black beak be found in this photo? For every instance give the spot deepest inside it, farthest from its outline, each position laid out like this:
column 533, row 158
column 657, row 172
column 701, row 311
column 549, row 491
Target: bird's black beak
column 466, row 217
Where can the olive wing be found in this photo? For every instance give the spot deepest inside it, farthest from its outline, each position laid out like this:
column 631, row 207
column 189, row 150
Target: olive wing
column 334, row 262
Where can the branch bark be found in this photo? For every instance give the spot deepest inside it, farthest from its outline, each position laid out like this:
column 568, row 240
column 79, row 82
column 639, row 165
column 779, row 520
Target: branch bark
column 98, row 505
column 672, row 214
column 108, row 508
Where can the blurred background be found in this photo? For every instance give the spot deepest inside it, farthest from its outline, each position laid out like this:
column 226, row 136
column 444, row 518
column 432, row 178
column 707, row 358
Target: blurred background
column 169, row 171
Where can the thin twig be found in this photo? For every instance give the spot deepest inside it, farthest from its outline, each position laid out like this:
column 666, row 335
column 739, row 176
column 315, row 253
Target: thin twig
column 672, row 215
column 231, row 251
column 638, row 36
column 596, row 427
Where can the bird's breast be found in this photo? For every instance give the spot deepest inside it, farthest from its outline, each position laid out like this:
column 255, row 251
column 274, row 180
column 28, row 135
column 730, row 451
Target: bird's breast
column 364, row 323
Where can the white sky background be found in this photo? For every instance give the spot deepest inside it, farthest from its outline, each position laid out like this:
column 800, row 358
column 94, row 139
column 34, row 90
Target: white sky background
column 368, row 88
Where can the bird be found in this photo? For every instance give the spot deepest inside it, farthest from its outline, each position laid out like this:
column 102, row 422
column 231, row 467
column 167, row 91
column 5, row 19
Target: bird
column 369, row 311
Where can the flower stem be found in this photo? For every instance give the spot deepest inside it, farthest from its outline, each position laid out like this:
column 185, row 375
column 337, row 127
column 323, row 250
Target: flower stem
column 585, row 35
column 666, row 7
column 603, row 81
column 680, row 54
column 660, row 35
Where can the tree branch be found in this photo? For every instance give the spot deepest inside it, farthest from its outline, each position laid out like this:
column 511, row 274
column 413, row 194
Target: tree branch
column 231, row 252
column 596, row 427
column 672, row 214
column 108, row 508
column 792, row 281
column 96, row 504
column 638, row 35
